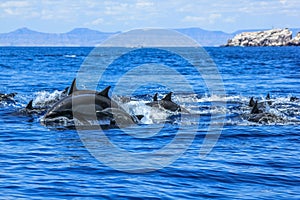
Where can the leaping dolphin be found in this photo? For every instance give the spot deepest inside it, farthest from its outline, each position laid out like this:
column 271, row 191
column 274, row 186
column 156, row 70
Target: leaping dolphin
column 167, row 104
column 80, row 103
column 88, row 105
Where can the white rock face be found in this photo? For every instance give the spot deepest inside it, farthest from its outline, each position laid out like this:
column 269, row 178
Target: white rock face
column 274, row 37
column 295, row 41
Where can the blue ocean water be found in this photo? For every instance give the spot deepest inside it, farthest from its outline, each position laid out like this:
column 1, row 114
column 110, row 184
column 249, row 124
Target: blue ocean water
column 249, row 161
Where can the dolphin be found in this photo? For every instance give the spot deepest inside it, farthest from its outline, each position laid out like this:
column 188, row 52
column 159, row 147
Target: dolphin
column 260, row 104
column 293, row 99
column 80, row 97
column 255, row 109
column 268, row 99
column 118, row 118
column 81, row 104
column 167, row 103
column 30, row 110
column 10, row 95
column 259, row 107
column 7, row 97
column 259, row 115
column 86, row 106
column 266, row 118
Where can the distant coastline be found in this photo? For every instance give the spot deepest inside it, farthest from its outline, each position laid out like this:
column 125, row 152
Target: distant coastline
column 83, row 37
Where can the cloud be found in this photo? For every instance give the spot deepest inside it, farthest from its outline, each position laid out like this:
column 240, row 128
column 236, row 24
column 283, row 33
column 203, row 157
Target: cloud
column 193, row 19
column 14, row 4
column 97, row 21
column 229, row 19
column 185, row 8
column 10, row 11
column 143, row 4
column 113, row 8
column 214, row 16
column 283, row 1
column 15, row 8
column 211, row 18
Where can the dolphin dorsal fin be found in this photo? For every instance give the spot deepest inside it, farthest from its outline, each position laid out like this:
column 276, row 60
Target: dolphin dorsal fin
column 255, row 109
column 73, row 87
column 29, row 105
column 65, row 91
column 104, row 92
column 155, row 97
column 168, row 97
column 251, row 102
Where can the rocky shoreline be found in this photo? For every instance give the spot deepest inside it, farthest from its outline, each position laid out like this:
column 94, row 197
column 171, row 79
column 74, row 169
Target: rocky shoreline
column 273, row 37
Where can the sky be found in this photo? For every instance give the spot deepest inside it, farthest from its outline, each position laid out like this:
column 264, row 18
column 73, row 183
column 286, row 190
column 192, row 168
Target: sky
column 59, row 16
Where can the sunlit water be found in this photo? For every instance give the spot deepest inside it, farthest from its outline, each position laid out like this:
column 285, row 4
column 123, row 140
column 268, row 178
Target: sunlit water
column 250, row 160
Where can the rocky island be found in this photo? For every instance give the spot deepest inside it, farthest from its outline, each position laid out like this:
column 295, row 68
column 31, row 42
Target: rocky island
column 274, row 37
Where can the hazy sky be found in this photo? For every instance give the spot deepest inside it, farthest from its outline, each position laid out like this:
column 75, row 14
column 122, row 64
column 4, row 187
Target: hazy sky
column 58, row 16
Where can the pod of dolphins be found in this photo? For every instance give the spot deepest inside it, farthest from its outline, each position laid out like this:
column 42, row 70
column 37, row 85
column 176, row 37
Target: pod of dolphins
column 260, row 114
column 88, row 105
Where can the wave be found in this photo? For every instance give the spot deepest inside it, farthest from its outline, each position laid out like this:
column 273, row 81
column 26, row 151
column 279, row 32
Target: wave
column 70, row 56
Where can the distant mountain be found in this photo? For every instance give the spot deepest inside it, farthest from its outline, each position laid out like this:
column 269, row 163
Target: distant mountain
column 76, row 37
column 205, row 37
column 88, row 37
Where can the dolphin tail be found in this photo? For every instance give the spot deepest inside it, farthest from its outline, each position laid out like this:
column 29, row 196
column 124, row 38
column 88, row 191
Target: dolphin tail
column 168, row 97
column 73, row 87
column 29, row 105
